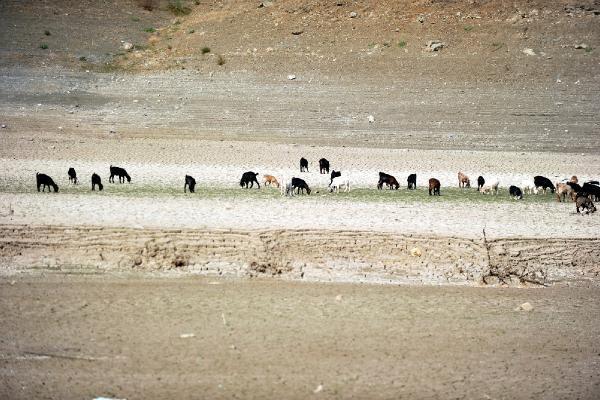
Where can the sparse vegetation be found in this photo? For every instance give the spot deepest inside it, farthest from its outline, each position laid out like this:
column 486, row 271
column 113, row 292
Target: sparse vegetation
column 82, row 59
column 178, row 8
column 135, row 19
column 205, row 50
column 191, row 31
column 220, row 60
column 402, row 44
column 47, row 32
column 588, row 49
column 149, row 30
column 469, row 28
column 43, row 46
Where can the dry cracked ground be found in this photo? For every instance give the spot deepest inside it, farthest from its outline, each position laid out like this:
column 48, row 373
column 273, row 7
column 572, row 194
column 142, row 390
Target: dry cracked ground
column 215, row 88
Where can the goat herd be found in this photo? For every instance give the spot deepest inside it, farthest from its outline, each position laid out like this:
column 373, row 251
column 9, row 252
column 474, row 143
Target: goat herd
column 582, row 195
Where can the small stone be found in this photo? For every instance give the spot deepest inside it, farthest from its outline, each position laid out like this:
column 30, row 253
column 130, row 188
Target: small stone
column 187, row 335
column 529, row 52
column 435, row 45
column 127, row 46
column 353, row 14
column 581, row 46
column 416, row 252
column 3, row 126
column 298, row 32
column 318, row 389
column 371, row 119
column 291, row 77
column 338, row 298
column 524, row 307
column 421, row 18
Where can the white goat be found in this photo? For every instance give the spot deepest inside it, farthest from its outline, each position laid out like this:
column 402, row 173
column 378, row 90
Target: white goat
column 339, row 182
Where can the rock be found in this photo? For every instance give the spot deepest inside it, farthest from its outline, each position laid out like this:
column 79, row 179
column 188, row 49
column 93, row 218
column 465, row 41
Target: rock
column 524, row 307
column 297, row 32
column 318, row 389
column 529, row 52
column 338, row 298
column 491, row 280
column 187, row 335
column 3, row 126
column 435, row 45
column 416, row 252
column 581, row 46
column 421, row 18
column 371, row 119
column 353, row 14
column 127, row 46
column 291, row 77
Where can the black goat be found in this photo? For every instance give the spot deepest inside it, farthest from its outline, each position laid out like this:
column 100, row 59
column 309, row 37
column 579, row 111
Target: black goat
column 96, row 181
column 412, row 181
column 324, row 166
column 334, row 174
column 389, row 180
column 72, row 175
column 45, row 181
column 303, row 165
column 248, row 178
column 480, row 182
column 190, row 182
column 591, row 189
column 515, row 192
column 300, row 184
column 544, row 183
column 120, row 172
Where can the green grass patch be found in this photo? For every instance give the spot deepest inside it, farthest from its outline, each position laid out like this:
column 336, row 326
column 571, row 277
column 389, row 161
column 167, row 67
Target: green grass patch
column 135, row 19
column 402, row 44
column 149, row 30
column 43, row 46
column 205, row 50
column 468, row 28
column 178, row 8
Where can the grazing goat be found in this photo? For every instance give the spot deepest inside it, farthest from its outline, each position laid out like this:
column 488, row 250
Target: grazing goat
column 46, row 182
column 463, row 180
column 584, row 203
column 323, row 166
column 562, row 191
column 480, row 182
column 574, row 179
column 412, row 181
column 491, row 187
column 528, row 188
column 303, row 165
column 544, row 183
column 72, row 175
column 286, row 187
column 592, row 189
column 434, row 187
column 248, row 178
column 120, row 172
column 389, row 180
column 334, row 174
column 270, row 180
column 96, row 181
column 300, row 185
column 515, row 193
column 339, row 182
column 190, row 183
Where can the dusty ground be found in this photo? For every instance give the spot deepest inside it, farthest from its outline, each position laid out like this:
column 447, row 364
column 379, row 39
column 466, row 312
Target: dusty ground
column 82, row 337
column 164, row 109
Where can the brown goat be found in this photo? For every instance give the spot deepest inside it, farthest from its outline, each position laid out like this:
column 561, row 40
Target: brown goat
column 434, row 187
column 271, row 180
column 463, row 180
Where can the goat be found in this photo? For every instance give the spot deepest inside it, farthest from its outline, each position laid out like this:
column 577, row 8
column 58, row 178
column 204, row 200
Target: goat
column 480, row 182
column 562, row 190
column 120, row 172
column 463, row 180
column 46, row 182
column 412, row 181
column 544, row 183
column 190, row 182
column 389, row 180
column 324, row 166
column 286, row 187
column 434, row 187
column 574, row 179
column 248, row 178
column 300, row 185
column 271, row 180
column 96, row 181
column 583, row 202
column 515, row 192
column 334, row 174
column 490, row 188
column 339, row 182
column 528, row 188
column 303, row 165
column 592, row 189
column 72, row 175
